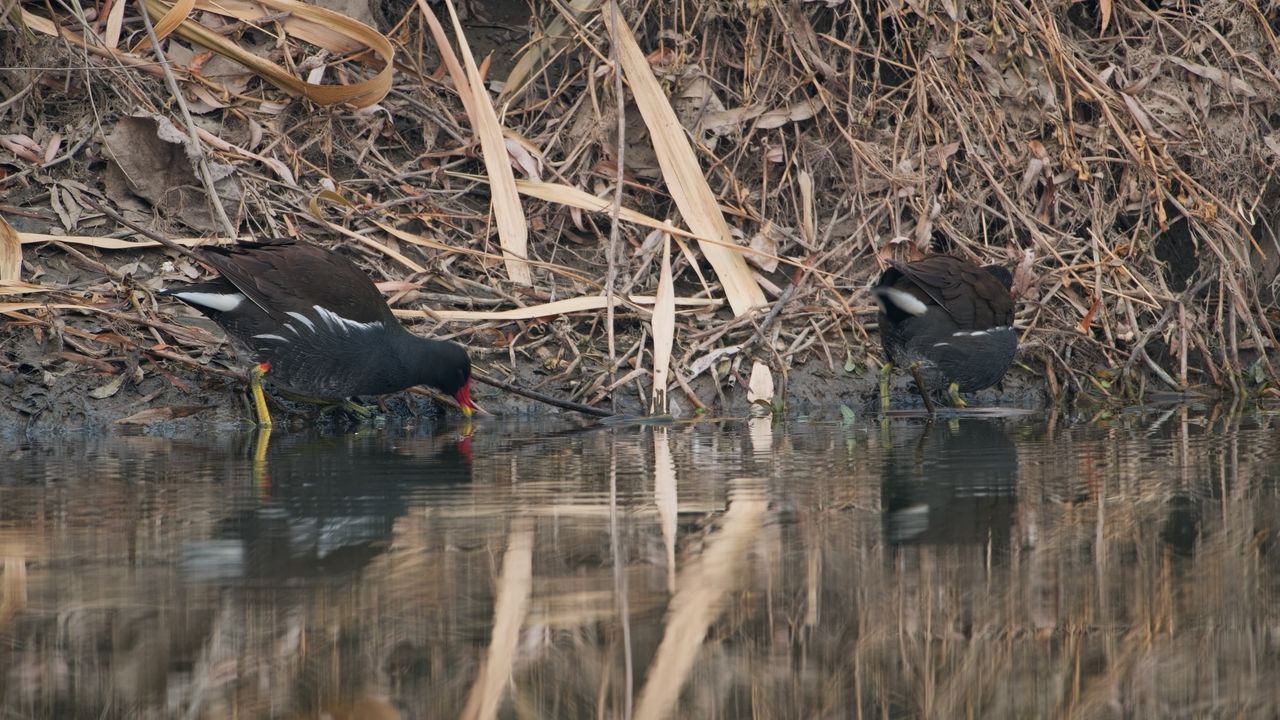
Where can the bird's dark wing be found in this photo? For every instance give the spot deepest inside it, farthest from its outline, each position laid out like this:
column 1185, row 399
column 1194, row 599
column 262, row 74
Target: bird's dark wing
column 971, row 296
column 284, row 277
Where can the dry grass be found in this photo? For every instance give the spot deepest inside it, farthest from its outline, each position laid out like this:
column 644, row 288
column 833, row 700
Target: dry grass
column 1126, row 160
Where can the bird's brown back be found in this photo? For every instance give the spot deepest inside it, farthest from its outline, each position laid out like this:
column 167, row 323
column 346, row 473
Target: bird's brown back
column 970, row 295
column 283, row 277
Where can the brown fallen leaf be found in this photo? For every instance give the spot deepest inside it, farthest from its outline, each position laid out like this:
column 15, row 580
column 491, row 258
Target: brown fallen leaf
column 1230, row 83
column 111, row 388
column 148, row 157
column 802, row 110
column 765, row 243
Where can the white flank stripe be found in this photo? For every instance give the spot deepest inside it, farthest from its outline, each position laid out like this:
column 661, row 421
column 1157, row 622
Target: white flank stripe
column 906, row 301
column 302, row 319
column 268, row 336
column 337, row 322
column 214, row 301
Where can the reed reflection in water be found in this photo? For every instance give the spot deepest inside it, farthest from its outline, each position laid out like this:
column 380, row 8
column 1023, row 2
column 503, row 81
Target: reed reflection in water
column 987, row 567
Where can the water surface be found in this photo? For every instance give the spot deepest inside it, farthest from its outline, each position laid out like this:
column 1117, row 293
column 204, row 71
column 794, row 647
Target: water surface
column 1012, row 567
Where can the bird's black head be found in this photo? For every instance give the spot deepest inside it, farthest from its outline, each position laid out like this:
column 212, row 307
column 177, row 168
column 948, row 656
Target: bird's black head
column 1002, row 274
column 447, row 368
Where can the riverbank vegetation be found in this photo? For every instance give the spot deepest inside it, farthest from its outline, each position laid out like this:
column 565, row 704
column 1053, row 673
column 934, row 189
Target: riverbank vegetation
column 729, row 176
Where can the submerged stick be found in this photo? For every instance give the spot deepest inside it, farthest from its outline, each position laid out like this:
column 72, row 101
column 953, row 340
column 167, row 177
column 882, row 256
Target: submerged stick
column 534, row 395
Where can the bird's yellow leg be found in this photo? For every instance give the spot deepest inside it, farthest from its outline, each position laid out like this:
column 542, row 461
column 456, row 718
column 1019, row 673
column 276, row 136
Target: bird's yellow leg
column 922, row 388
column 261, row 480
column 885, row 371
column 953, row 391
column 259, row 399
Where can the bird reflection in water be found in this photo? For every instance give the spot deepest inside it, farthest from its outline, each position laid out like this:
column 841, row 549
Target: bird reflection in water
column 327, row 503
column 950, row 483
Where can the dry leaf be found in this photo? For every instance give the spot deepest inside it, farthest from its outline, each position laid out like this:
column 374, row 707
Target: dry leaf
column 17, row 287
column 22, row 146
column 106, row 391
column 765, row 245
column 664, row 328
column 513, row 228
column 149, row 157
column 583, row 200
column 727, row 118
column 10, row 253
column 1024, row 274
column 531, row 166
column 807, row 229
column 111, row 36
column 277, row 166
column 330, row 30
column 554, row 38
column 760, row 389
column 702, row 364
column 802, row 110
column 1218, row 77
column 682, row 172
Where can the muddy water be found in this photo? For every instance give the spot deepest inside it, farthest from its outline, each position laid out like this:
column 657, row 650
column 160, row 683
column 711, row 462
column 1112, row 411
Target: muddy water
column 1014, row 567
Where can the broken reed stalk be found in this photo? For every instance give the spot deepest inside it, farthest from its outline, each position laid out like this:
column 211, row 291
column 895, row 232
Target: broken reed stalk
column 541, row 397
column 611, row 278
column 152, row 234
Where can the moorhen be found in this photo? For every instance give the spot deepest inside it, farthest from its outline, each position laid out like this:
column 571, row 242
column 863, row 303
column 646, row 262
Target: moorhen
column 318, row 324
column 949, row 320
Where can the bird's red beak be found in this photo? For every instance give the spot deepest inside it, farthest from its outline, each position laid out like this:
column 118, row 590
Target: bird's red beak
column 463, row 397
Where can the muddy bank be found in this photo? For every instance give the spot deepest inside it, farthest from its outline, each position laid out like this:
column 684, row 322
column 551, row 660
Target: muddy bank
column 45, row 393
column 852, row 135
column 90, row 372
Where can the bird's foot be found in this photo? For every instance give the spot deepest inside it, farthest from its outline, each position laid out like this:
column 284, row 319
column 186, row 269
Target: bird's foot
column 953, row 392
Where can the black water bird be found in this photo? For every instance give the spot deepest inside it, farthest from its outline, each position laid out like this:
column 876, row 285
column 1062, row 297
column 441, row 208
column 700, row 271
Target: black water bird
column 948, row 320
column 319, row 326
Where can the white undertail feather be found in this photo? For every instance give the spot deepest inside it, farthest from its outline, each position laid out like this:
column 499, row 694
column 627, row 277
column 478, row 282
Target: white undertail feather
column 269, row 336
column 905, row 301
column 222, row 302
